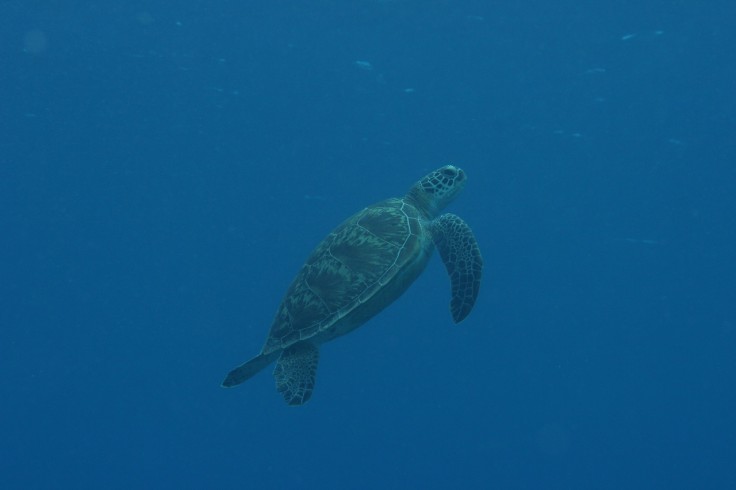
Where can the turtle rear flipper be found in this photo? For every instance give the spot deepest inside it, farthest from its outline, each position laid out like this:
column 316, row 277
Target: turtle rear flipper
column 249, row 369
column 296, row 371
column 459, row 251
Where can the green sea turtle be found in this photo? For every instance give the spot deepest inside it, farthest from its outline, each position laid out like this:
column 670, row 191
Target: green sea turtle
column 358, row 270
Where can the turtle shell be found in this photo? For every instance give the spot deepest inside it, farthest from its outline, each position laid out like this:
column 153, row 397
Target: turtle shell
column 355, row 272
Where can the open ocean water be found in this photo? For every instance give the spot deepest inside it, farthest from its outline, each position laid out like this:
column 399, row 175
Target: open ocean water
column 166, row 167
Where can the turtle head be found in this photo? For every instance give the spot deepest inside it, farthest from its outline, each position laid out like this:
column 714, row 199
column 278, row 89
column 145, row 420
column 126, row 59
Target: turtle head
column 435, row 190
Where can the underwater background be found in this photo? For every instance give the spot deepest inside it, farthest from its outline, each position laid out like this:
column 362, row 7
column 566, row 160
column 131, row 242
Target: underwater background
column 166, row 167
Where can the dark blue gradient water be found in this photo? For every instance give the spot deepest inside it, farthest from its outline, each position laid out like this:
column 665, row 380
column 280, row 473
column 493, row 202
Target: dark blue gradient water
column 166, row 167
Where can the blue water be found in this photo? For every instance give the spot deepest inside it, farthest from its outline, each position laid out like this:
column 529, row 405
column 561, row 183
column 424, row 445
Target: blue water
column 165, row 168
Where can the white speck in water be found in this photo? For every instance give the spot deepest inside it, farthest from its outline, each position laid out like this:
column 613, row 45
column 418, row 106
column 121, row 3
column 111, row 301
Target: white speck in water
column 364, row 65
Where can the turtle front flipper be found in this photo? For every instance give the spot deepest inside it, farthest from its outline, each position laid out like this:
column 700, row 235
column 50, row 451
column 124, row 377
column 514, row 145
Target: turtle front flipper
column 296, row 371
column 459, row 251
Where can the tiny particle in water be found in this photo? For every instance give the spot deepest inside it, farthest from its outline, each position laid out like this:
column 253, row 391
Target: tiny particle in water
column 643, row 241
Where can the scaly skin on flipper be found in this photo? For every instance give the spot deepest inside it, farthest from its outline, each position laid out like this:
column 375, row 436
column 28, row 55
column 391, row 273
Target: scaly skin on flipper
column 296, row 371
column 461, row 255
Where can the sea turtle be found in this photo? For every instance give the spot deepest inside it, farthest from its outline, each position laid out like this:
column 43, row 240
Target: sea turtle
column 358, row 270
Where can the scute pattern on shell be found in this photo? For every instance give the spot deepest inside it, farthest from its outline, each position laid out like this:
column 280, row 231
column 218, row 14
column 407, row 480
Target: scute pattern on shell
column 350, row 265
